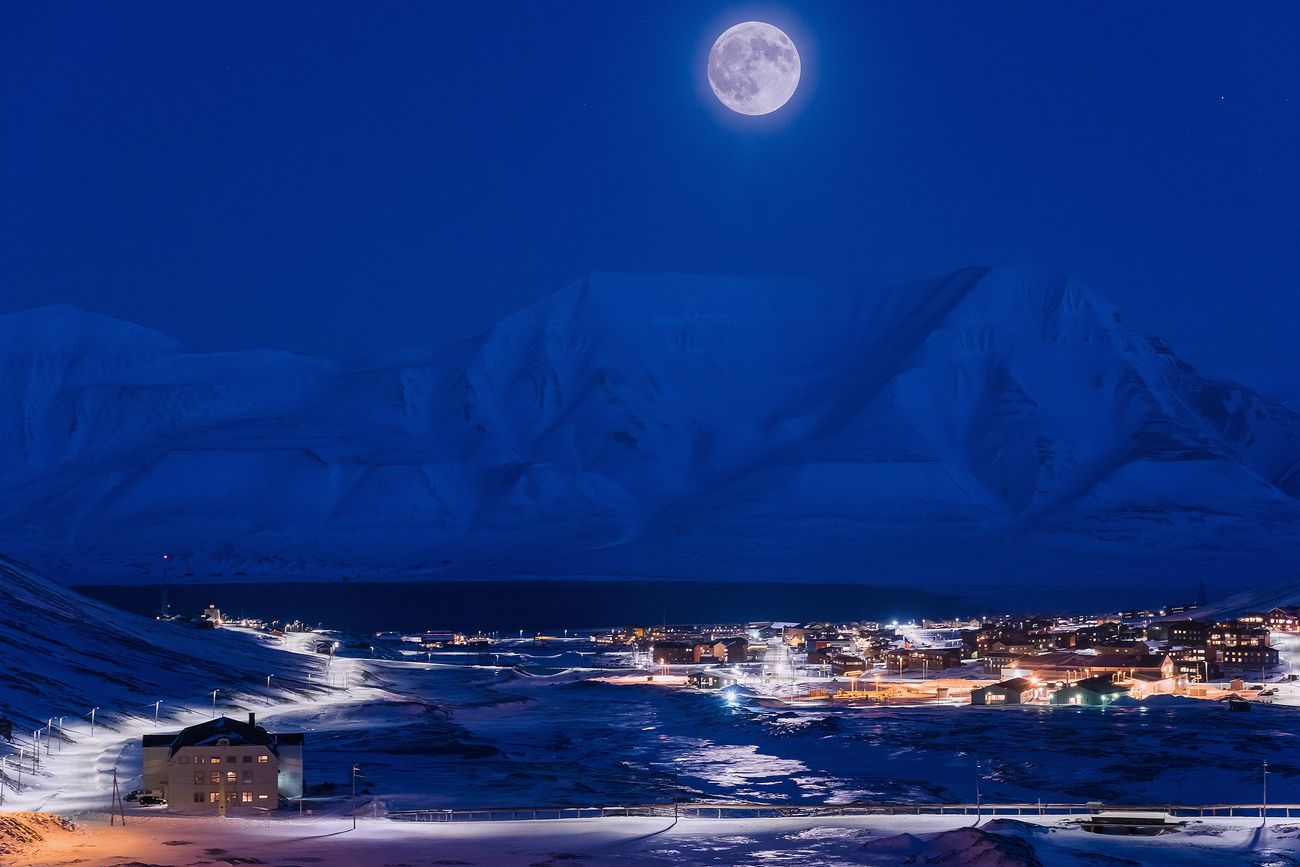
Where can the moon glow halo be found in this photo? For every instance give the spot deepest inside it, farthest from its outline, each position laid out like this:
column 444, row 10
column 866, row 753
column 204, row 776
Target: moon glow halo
column 753, row 68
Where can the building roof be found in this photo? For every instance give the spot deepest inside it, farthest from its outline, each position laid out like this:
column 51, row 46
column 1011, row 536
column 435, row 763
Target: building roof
column 1101, row 685
column 238, row 733
column 1018, row 684
column 1068, row 660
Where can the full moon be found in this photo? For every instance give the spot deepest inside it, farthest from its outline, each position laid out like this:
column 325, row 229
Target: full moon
column 753, row 68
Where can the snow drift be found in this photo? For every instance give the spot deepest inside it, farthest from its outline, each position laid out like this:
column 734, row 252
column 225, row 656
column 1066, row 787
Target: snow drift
column 982, row 425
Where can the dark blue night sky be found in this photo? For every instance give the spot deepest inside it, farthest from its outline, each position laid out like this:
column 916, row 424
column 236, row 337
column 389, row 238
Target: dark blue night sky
column 342, row 180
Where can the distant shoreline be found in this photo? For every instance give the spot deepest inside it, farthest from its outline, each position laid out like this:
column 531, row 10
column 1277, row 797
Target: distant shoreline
column 505, row 606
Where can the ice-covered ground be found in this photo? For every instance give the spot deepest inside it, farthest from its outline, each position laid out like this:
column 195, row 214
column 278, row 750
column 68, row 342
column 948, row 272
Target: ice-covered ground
column 657, row 842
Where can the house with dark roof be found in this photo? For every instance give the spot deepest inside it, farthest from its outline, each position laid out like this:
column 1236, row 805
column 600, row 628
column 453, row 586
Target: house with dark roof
column 1090, row 692
column 1017, row 690
column 223, row 766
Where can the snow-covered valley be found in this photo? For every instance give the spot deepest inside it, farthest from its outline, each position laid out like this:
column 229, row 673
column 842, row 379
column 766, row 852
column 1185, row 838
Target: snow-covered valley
column 554, row 731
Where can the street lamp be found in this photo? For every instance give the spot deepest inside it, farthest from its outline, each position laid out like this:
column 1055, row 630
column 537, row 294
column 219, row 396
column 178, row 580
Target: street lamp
column 354, row 797
column 156, row 706
column 214, row 703
column 92, row 721
column 1264, row 809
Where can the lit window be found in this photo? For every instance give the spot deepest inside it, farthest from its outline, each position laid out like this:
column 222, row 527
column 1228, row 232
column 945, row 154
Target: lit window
column 214, row 797
column 216, row 760
column 231, row 776
column 246, row 797
column 215, row 778
column 230, row 797
column 261, row 760
column 261, row 797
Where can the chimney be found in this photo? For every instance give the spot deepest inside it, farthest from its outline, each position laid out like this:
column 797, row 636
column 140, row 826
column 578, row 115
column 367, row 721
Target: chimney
column 252, row 718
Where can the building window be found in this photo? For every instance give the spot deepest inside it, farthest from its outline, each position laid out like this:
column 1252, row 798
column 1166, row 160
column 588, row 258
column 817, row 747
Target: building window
column 246, row 797
column 185, row 760
column 247, row 759
column 215, row 778
column 248, row 776
column 230, row 759
column 230, row 776
column 216, row 760
column 198, row 798
column 230, row 797
column 214, row 797
column 261, row 760
column 198, row 778
column 261, row 797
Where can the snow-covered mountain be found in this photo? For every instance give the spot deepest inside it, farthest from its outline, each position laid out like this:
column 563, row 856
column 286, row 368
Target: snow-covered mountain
column 982, row 425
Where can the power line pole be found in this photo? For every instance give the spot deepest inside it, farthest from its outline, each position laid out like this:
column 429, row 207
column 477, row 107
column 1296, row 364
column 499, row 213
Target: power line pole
column 118, row 807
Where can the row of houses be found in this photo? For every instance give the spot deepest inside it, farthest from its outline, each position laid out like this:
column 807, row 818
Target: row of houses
column 732, row 650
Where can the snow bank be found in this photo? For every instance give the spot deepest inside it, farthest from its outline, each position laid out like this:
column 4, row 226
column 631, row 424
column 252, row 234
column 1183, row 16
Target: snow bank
column 22, row 833
column 970, row 847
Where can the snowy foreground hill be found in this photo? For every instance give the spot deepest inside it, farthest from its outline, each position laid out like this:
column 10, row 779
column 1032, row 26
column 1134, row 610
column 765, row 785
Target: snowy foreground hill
column 62, row 654
column 986, row 425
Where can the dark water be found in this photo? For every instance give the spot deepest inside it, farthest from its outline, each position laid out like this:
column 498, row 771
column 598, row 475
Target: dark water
column 507, row 606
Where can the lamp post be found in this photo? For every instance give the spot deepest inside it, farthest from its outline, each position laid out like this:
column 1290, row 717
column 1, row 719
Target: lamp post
column 92, row 721
column 214, row 703
column 166, row 603
column 156, row 706
column 61, row 734
column 268, row 689
column 354, row 797
column 1264, row 809
column 49, row 723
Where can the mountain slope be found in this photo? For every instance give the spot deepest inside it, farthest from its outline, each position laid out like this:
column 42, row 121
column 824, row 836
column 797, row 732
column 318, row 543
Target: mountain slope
column 982, row 424
column 62, row 654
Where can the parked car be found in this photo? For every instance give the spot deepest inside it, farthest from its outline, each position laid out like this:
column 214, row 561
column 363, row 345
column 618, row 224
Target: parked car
column 133, row 795
column 151, row 801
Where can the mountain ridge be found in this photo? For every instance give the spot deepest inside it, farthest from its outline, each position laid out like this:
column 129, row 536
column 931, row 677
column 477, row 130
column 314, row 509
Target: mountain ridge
column 670, row 424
